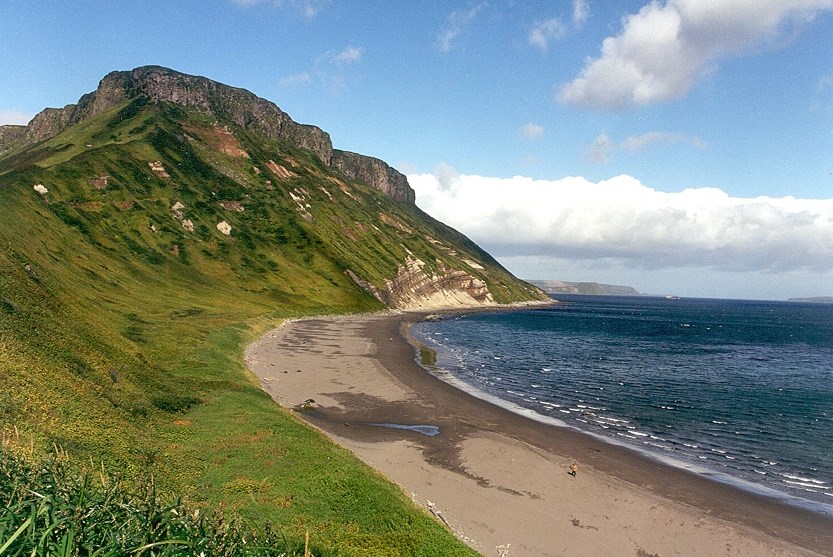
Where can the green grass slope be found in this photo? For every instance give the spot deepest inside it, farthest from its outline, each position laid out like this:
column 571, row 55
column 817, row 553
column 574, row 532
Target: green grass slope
column 124, row 311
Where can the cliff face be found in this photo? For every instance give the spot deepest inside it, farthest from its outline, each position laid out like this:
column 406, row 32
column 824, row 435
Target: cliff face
column 233, row 104
column 161, row 84
column 10, row 137
column 375, row 172
column 413, row 288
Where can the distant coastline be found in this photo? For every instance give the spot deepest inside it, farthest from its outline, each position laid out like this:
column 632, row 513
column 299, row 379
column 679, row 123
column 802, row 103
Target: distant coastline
column 593, row 288
column 814, row 299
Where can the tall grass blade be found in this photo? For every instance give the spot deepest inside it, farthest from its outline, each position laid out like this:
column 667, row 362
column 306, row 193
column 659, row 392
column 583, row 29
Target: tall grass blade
column 17, row 533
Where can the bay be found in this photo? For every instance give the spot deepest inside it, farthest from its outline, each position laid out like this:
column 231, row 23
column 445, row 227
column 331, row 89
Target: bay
column 738, row 390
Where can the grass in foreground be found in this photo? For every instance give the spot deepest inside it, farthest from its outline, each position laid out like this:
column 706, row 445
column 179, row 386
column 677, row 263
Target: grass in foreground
column 47, row 508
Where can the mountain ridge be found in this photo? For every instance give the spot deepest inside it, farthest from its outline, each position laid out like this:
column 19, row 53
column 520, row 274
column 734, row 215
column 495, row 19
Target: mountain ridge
column 238, row 105
column 127, row 109
column 145, row 242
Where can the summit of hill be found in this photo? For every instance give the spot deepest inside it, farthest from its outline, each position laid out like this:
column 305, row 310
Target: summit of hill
column 151, row 230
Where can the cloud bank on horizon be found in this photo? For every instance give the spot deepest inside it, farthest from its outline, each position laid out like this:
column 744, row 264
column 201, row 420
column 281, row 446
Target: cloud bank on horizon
column 665, row 48
column 631, row 225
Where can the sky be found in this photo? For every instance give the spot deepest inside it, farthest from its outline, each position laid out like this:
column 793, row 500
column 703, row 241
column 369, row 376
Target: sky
column 677, row 146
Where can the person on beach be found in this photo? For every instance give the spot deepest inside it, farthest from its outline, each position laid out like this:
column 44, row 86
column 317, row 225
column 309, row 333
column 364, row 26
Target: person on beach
column 573, row 469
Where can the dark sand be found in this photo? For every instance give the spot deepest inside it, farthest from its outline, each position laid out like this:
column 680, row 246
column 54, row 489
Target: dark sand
column 500, row 480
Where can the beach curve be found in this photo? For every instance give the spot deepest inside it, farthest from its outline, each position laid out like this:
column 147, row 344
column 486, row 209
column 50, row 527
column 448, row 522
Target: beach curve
column 501, row 481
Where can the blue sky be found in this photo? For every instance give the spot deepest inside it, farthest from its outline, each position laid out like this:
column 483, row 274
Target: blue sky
column 677, row 146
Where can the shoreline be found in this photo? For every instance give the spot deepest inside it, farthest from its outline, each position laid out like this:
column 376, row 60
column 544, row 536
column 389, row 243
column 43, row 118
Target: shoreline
column 711, row 475
column 362, row 373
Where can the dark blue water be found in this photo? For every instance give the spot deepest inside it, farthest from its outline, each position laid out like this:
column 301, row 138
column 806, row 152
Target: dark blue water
column 739, row 390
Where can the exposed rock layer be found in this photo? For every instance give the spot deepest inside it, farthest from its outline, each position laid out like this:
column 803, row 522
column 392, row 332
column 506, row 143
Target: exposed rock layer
column 413, row 288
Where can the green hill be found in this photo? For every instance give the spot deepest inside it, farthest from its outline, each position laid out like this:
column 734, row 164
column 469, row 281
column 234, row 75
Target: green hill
column 154, row 228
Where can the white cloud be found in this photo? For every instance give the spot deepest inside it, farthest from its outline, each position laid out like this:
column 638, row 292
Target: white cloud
column 350, row 55
column 580, row 10
column 295, row 80
column 603, row 146
column 623, row 222
column 543, row 32
column 12, row 116
column 455, row 24
column 532, row 131
column 447, row 180
column 667, row 46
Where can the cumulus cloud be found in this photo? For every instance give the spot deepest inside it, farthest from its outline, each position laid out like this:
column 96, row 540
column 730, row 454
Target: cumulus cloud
column 532, row 131
column 623, row 221
column 12, row 116
column 664, row 48
column 456, row 23
column 603, row 146
column 543, row 32
column 349, row 55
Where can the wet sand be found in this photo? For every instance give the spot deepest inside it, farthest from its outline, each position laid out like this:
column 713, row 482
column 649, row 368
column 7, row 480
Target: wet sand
column 500, row 480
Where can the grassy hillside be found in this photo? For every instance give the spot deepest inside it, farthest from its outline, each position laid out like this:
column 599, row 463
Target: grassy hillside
column 124, row 311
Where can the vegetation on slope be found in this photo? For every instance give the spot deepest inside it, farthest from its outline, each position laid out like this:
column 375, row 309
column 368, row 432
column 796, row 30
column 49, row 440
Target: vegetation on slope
column 124, row 311
column 47, row 508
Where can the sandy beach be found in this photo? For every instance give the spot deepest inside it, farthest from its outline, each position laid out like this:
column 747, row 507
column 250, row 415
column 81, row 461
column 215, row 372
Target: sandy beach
column 500, row 480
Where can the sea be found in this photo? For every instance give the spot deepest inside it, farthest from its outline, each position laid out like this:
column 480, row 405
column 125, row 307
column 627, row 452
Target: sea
column 740, row 391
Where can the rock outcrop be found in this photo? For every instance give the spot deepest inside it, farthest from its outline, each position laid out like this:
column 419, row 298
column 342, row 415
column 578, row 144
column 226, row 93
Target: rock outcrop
column 161, row 84
column 413, row 288
column 374, row 172
column 10, row 137
column 231, row 104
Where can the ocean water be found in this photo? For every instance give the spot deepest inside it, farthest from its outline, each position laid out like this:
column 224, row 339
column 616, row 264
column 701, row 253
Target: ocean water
column 741, row 391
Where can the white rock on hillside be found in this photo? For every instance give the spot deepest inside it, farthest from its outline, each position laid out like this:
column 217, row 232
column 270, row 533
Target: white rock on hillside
column 224, row 228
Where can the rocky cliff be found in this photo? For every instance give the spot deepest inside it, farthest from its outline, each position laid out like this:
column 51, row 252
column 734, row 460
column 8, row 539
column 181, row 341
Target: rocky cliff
column 415, row 288
column 230, row 104
column 374, row 172
column 11, row 137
